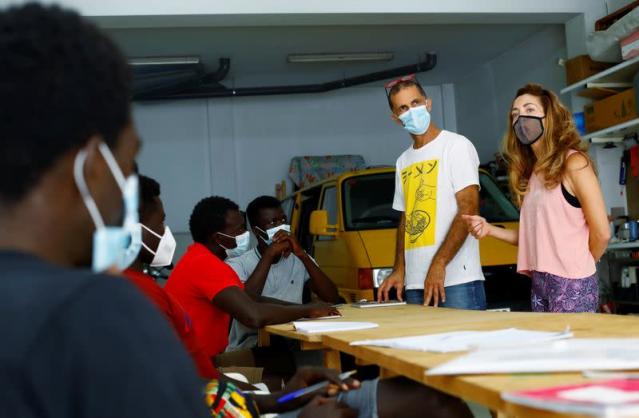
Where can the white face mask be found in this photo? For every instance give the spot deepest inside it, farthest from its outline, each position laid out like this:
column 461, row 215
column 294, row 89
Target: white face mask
column 163, row 255
column 113, row 246
column 242, row 243
column 270, row 233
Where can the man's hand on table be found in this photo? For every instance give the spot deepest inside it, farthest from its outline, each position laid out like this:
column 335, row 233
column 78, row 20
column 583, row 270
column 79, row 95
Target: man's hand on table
column 318, row 310
column 394, row 280
column 434, row 284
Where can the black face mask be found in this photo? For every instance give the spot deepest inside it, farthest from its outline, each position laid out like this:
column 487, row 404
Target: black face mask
column 528, row 129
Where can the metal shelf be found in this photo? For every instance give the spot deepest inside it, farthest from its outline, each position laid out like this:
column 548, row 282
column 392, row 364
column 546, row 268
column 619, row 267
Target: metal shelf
column 616, row 131
column 627, row 245
column 621, row 72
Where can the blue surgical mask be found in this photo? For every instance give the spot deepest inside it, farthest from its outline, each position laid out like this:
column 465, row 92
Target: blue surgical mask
column 270, row 233
column 113, row 246
column 416, row 120
column 242, row 243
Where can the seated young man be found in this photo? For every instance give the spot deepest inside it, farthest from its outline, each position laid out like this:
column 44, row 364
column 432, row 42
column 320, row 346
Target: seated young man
column 158, row 246
column 75, row 343
column 277, row 268
column 210, row 291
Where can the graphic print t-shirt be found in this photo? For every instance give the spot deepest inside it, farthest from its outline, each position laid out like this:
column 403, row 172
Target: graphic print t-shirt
column 426, row 181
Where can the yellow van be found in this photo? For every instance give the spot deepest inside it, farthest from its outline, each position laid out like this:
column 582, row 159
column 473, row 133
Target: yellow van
column 347, row 223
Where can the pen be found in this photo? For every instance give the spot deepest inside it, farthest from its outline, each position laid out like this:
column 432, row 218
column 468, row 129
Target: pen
column 310, row 389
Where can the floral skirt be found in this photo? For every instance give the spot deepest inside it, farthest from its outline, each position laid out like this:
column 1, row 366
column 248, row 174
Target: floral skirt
column 552, row 293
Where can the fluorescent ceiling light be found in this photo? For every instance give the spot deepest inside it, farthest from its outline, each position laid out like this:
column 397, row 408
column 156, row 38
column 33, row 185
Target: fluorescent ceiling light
column 164, row 61
column 341, row 57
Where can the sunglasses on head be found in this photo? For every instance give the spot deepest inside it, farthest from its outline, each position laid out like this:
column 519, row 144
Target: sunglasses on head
column 388, row 86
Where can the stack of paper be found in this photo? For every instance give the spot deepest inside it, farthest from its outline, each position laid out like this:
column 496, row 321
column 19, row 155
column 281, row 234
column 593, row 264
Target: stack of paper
column 314, row 327
column 466, row 340
column 612, row 398
column 320, row 318
column 559, row 356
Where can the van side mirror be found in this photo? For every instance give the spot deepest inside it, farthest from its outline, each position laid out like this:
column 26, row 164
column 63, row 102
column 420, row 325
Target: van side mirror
column 319, row 224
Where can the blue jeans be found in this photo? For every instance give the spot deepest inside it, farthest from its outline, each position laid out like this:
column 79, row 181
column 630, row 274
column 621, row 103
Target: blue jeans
column 469, row 295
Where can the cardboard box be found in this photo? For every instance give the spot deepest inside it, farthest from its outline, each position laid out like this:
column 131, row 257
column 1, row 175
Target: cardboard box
column 582, row 67
column 611, row 111
column 630, row 46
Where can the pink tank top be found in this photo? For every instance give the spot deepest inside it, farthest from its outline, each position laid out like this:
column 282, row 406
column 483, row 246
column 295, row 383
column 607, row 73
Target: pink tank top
column 553, row 235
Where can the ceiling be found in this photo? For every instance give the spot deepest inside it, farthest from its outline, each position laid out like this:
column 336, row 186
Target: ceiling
column 258, row 54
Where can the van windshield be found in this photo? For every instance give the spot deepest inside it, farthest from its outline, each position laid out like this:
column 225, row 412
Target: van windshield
column 368, row 202
column 494, row 205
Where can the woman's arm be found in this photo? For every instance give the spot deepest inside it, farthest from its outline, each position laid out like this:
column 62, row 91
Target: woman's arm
column 479, row 228
column 581, row 181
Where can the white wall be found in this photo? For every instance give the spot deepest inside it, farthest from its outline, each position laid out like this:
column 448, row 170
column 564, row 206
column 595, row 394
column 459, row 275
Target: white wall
column 477, row 117
column 241, row 147
column 484, row 96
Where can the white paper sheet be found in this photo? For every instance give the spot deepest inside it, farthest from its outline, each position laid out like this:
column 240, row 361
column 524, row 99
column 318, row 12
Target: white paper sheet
column 314, row 327
column 559, row 356
column 321, row 318
column 466, row 340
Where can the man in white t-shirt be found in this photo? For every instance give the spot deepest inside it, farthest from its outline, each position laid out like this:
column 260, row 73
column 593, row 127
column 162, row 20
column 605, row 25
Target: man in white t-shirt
column 436, row 182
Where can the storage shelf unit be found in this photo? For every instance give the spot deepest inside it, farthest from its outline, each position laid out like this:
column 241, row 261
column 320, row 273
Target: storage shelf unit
column 620, row 73
column 623, row 72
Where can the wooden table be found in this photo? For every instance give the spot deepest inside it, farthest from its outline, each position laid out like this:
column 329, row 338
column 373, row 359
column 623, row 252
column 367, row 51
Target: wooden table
column 486, row 390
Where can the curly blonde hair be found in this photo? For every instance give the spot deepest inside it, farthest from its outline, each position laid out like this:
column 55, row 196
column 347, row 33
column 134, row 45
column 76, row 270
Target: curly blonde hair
column 560, row 135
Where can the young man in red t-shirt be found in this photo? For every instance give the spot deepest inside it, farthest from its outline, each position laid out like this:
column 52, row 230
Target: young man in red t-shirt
column 157, row 250
column 210, row 290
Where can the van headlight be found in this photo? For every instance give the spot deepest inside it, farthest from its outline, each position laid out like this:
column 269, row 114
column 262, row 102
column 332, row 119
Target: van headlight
column 379, row 275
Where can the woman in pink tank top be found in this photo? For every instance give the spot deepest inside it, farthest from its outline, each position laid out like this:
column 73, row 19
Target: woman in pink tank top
column 563, row 226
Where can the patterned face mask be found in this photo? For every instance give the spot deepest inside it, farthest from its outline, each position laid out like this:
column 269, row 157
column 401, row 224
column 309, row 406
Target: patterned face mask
column 528, row 129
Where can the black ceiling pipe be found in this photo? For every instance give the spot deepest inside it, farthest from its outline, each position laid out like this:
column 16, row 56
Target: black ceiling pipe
column 220, row 73
column 428, row 64
column 168, row 80
column 165, row 82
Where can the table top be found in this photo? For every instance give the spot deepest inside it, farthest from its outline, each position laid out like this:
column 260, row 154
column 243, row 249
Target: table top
column 401, row 321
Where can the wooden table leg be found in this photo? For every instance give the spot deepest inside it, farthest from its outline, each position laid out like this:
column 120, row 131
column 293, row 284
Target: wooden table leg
column 263, row 338
column 332, row 360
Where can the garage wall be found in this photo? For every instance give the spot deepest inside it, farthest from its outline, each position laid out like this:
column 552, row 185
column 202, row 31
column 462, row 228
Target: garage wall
column 484, row 96
column 241, row 147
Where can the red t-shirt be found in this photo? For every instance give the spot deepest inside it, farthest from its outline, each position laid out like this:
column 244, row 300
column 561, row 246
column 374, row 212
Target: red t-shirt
column 177, row 317
column 196, row 279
